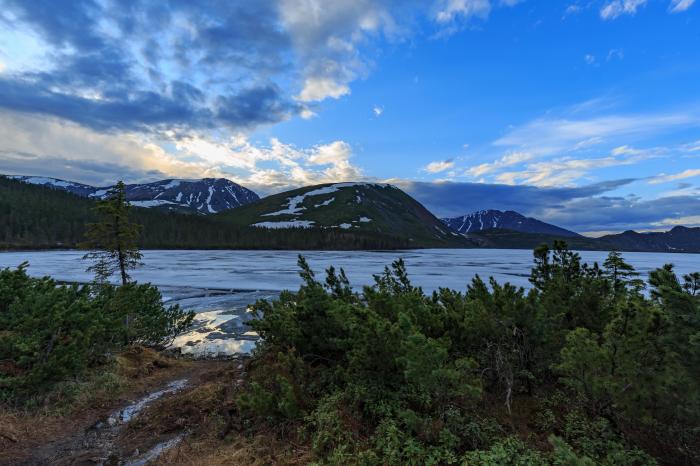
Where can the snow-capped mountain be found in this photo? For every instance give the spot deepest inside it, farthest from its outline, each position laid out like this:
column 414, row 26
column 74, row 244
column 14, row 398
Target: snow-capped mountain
column 349, row 208
column 508, row 220
column 206, row 196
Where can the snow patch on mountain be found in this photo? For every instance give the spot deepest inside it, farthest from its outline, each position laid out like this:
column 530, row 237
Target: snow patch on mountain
column 152, row 203
column 289, row 224
column 293, row 206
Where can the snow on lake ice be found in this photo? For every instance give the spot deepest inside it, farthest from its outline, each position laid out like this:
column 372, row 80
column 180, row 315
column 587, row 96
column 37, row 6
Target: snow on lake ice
column 220, row 285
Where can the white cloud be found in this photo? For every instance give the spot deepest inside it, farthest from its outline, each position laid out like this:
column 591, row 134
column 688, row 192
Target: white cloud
column 307, row 114
column 319, row 88
column 378, row 110
column 678, row 6
column 560, row 172
column 589, row 59
column 508, row 160
column 439, row 166
column 326, row 37
column 617, row 8
column 663, row 178
column 39, row 146
column 690, row 220
column 548, row 136
column 449, row 10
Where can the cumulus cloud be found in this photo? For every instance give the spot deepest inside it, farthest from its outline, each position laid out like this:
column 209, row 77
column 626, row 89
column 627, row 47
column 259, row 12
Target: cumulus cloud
column 316, row 89
column 327, row 36
column 126, row 66
column 439, row 166
column 34, row 145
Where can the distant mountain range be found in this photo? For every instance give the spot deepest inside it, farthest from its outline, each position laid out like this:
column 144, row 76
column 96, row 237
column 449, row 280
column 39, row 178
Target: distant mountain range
column 678, row 239
column 328, row 216
column 205, row 196
column 508, row 220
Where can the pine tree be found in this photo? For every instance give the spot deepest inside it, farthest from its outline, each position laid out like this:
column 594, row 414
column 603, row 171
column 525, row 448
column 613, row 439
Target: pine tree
column 620, row 273
column 113, row 239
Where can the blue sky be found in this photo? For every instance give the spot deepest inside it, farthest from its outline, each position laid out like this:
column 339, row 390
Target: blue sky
column 582, row 113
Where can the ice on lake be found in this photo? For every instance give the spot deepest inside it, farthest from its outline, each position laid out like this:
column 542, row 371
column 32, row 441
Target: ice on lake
column 220, row 285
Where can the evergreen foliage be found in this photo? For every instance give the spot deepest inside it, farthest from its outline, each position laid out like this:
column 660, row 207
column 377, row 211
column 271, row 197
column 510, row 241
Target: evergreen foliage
column 113, row 239
column 583, row 369
column 51, row 332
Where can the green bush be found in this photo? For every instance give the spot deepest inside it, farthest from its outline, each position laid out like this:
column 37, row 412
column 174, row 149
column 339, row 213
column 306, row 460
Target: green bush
column 51, row 332
column 582, row 369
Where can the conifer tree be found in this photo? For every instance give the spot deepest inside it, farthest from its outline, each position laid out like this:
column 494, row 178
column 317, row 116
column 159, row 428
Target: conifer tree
column 113, row 239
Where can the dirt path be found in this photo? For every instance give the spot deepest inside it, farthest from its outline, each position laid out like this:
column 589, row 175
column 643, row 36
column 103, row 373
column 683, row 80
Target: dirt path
column 117, row 432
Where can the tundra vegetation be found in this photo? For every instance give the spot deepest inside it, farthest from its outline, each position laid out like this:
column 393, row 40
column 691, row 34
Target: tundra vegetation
column 53, row 333
column 588, row 367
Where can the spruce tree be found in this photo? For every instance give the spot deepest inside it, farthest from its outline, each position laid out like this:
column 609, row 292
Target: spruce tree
column 113, row 239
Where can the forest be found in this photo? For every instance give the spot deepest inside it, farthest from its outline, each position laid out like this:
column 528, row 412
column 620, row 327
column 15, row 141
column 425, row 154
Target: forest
column 38, row 217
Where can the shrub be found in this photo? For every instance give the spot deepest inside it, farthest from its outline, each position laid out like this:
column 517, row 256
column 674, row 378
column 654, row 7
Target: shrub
column 394, row 376
column 51, row 332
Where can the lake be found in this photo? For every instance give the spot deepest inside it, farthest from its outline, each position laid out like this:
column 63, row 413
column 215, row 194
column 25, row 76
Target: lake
column 219, row 285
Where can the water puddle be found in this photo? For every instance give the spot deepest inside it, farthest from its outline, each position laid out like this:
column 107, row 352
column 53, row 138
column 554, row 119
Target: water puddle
column 126, row 414
column 155, row 452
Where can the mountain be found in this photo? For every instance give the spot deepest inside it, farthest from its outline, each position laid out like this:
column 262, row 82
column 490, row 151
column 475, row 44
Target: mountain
column 206, row 196
column 378, row 209
column 510, row 239
column 35, row 216
column 508, row 220
column 678, row 239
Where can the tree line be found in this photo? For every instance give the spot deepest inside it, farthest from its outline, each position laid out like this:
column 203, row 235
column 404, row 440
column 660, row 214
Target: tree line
column 34, row 216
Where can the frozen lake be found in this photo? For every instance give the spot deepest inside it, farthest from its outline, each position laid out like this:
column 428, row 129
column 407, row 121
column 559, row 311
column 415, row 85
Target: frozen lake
column 219, row 285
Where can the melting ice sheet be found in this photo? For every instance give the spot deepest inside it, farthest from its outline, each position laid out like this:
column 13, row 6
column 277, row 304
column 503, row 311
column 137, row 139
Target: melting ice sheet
column 220, row 285
column 220, row 325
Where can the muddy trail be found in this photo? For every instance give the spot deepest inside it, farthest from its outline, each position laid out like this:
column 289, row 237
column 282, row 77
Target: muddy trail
column 154, row 415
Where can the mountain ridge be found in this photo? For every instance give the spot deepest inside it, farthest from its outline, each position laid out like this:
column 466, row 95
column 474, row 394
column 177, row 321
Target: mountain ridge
column 352, row 206
column 505, row 220
column 204, row 196
column 339, row 216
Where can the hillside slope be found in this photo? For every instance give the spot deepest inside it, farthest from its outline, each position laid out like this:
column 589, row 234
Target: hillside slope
column 508, row 220
column 354, row 207
column 38, row 217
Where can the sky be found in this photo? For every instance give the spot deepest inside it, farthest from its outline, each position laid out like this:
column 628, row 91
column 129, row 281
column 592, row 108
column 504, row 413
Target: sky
column 585, row 114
